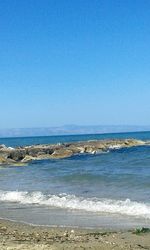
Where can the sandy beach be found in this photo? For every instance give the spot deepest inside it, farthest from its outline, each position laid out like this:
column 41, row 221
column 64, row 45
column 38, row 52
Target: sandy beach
column 15, row 235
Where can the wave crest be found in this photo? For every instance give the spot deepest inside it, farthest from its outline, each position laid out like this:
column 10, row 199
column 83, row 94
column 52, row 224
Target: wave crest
column 126, row 207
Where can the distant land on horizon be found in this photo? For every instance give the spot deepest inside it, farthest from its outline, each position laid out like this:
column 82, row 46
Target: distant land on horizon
column 71, row 130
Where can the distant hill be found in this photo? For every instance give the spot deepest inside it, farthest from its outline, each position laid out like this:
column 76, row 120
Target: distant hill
column 70, row 129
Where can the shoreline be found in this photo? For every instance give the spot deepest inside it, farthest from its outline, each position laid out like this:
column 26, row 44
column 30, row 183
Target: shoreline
column 17, row 235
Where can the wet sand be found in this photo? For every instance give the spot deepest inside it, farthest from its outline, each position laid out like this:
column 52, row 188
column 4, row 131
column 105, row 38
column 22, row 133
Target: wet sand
column 22, row 236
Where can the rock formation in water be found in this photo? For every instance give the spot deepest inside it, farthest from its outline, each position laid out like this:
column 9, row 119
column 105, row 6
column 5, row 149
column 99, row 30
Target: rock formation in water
column 19, row 155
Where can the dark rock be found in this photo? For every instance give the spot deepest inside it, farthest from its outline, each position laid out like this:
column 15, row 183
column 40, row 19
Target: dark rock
column 17, row 154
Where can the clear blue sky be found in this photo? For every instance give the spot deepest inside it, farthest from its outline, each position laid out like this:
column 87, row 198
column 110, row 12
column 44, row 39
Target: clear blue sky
column 74, row 62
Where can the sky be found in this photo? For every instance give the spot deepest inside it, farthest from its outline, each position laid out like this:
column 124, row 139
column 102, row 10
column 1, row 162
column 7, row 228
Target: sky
column 74, row 62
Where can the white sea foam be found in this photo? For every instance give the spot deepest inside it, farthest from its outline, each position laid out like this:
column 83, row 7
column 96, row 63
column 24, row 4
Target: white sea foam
column 115, row 146
column 126, row 207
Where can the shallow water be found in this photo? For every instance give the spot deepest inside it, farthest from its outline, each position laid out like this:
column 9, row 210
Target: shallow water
column 86, row 190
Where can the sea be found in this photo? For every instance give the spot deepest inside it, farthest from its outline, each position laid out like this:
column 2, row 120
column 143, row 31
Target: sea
column 108, row 190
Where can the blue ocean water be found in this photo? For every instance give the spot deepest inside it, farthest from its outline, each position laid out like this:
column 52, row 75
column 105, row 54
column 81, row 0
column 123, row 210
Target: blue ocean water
column 81, row 190
column 22, row 141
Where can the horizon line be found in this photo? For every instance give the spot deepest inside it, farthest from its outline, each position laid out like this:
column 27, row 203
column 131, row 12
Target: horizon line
column 78, row 125
column 80, row 134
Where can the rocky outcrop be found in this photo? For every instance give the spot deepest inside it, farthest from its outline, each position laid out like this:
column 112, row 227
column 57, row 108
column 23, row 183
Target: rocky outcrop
column 11, row 156
column 61, row 153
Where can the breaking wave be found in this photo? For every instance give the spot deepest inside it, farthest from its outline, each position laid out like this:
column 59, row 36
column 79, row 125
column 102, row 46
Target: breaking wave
column 122, row 207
